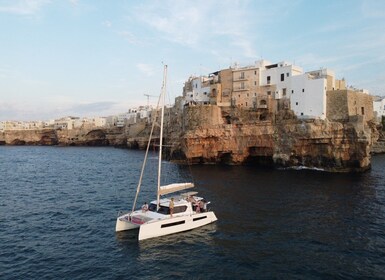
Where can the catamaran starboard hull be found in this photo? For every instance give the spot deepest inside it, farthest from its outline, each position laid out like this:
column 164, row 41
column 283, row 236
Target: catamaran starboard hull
column 168, row 226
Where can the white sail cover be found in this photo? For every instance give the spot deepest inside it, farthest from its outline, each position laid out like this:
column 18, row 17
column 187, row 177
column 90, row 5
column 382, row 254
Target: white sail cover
column 174, row 188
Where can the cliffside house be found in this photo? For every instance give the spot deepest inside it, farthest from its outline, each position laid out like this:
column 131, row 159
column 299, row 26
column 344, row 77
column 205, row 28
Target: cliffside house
column 261, row 85
column 379, row 107
column 350, row 103
column 196, row 90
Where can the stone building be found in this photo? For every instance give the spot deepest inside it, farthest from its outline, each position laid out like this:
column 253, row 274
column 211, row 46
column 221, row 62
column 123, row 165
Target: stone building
column 245, row 86
column 221, row 87
column 282, row 85
column 345, row 104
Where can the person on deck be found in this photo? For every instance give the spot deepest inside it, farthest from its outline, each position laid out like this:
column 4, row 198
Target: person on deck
column 197, row 208
column 145, row 207
column 171, row 206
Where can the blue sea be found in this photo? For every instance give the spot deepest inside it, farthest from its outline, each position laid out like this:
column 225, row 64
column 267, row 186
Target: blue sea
column 58, row 207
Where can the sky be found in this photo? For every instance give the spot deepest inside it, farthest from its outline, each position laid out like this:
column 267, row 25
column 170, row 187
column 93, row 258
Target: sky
column 91, row 58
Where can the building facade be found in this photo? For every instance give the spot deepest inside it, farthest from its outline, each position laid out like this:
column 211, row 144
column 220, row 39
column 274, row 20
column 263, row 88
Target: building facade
column 379, row 107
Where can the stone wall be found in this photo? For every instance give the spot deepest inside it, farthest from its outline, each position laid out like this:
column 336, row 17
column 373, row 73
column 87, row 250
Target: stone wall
column 342, row 104
column 336, row 105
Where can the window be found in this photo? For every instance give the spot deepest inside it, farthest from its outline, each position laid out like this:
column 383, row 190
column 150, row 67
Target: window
column 269, row 92
column 282, row 77
column 152, row 207
column 242, row 85
column 164, row 210
column 301, row 114
column 180, row 209
column 255, row 94
column 255, row 83
column 205, row 93
column 296, row 103
column 242, row 76
column 172, row 224
column 362, row 110
column 284, row 92
column 287, row 74
column 247, row 95
column 268, row 79
column 246, row 104
column 255, row 72
column 292, row 91
column 303, row 90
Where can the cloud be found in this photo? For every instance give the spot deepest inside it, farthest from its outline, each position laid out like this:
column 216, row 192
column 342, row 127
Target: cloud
column 128, row 36
column 74, row 2
column 107, row 23
column 145, row 69
column 24, row 7
column 206, row 24
column 373, row 9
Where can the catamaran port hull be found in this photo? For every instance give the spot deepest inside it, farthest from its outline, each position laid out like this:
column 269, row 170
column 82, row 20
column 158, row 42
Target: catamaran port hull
column 123, row 223
column 156, row 228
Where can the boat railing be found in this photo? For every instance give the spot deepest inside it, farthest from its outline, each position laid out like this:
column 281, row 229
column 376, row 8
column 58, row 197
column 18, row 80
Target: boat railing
column 122, row 212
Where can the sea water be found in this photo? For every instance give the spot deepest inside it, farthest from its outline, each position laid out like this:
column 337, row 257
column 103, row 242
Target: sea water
column 58, row 207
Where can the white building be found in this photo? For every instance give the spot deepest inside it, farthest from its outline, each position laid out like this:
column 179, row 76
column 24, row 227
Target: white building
column 379, row 107
column 122, row 118
column 99, row 122
column 278, row 75
column 111, row 121
column 197, row 90
column 308, row 93
column 65, row 123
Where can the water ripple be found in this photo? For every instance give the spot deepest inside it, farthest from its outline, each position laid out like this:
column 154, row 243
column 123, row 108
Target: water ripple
column 58, row 208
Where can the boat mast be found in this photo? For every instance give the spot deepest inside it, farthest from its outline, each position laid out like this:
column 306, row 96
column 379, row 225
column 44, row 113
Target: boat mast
column 163, row 98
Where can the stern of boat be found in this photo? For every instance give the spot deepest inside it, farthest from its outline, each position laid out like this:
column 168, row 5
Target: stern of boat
column 123, row 223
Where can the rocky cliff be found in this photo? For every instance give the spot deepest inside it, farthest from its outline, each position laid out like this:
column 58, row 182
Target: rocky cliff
column 74, row 137
column 236, row 136
column 212, row 134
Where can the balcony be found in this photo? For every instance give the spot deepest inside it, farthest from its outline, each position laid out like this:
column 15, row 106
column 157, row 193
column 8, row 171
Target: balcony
column 241, row 89
column 240, row 78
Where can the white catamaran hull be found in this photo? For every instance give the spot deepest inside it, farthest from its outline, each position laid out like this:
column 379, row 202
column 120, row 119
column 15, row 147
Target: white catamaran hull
column 156, row 228
column 174, row 225
column 123, row 223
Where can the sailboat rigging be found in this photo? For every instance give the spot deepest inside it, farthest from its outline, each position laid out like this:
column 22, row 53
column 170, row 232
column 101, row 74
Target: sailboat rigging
column 167, row 215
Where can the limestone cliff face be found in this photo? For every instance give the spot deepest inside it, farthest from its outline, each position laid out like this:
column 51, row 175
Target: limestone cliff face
column 29, row 137
column 74, row 137
column 235, row 136
column 212, row 134
column 378, row 137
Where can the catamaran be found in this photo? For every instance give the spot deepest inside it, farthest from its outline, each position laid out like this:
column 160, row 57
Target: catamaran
column 166, row 215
